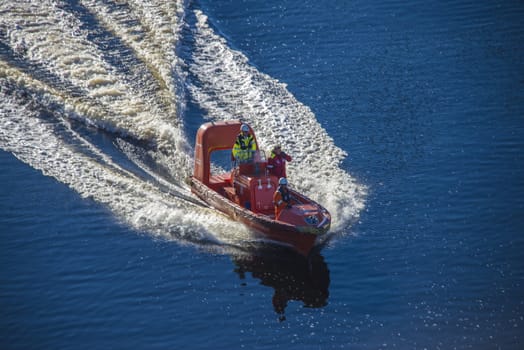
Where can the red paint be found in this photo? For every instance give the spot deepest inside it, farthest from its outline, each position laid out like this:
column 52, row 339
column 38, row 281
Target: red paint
column 246, row 193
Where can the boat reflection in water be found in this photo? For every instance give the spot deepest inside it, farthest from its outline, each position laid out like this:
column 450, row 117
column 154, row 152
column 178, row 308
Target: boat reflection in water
column 292, row 276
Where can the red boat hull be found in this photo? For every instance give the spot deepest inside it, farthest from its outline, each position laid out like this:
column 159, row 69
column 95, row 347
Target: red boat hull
column 246, row 194
column 302, row 239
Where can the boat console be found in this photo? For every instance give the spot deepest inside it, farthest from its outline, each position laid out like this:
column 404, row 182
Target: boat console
column 252, row 186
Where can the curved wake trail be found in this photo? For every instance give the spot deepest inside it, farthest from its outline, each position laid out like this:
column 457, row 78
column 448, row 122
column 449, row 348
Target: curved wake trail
column 113, row 66
column 81, row 83
column 58, row 151
column 226, row 86
column 45, row 34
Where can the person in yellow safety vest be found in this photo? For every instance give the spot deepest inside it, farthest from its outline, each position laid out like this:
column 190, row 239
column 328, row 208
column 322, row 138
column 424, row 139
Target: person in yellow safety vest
column 245, row 145
column 281, row 197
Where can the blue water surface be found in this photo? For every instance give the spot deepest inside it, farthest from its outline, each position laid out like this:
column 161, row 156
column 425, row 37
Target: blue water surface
column 427, row 99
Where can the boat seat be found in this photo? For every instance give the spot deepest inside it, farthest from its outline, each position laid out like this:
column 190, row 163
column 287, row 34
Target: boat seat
column 220, row 178
column 218, row 181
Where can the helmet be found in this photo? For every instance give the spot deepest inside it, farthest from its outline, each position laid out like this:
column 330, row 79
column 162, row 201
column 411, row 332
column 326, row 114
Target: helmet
column 244, row 127
column 282, row 181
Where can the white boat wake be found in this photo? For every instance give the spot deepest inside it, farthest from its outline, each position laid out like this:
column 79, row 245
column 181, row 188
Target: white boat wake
column 113, row 68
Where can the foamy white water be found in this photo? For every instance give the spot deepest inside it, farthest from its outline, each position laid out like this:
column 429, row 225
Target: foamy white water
column 58, row 151
column 45, row 35
column 229, row 88
column 57, row 70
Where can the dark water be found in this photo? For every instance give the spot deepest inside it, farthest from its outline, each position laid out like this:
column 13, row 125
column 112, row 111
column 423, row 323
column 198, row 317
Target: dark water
column 427, row 98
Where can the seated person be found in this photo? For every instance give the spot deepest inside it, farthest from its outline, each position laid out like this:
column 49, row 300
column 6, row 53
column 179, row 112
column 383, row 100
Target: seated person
column 281, row 197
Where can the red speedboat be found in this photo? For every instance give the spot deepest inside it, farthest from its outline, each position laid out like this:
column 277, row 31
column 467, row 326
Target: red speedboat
column 246, row 192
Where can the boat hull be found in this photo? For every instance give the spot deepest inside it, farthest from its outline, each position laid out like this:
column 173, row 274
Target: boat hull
column 302, row 239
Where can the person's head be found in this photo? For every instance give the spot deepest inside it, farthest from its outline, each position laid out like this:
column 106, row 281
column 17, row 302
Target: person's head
column 282, row 181
column 277, row 149
column 244, row 129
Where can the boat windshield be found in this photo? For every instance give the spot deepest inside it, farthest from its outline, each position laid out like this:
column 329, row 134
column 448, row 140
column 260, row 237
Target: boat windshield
column 251, row 157
column 252, row 162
